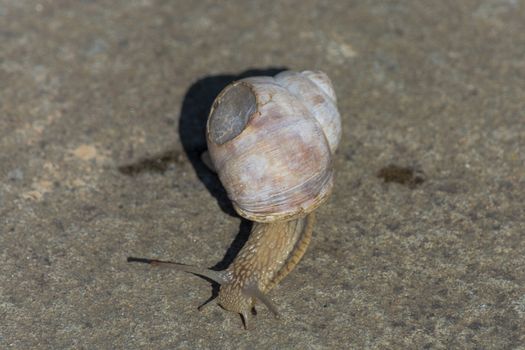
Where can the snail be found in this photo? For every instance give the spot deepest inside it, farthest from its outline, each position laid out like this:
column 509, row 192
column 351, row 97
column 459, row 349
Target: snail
column 271, row 141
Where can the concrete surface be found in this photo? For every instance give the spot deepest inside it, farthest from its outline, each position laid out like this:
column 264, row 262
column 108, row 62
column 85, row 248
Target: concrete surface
column 102, row 105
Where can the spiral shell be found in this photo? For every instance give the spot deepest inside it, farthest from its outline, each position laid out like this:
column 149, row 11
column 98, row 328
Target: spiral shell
column 271, row 140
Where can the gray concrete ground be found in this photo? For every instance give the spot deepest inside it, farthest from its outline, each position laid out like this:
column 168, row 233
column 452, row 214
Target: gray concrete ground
column 102, row 105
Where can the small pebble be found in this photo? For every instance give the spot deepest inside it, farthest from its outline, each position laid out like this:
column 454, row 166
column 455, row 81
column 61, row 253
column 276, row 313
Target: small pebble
column 15, row 175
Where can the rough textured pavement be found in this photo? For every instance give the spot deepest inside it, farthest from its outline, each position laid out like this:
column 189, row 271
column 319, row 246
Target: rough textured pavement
column 102, row 110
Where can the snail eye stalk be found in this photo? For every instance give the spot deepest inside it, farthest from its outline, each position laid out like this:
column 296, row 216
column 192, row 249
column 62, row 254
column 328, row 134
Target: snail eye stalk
column 217, row 276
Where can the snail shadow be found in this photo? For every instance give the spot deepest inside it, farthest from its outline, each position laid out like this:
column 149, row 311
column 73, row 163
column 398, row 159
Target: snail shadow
column 192, row 126
column 196, row 105
column 192, row 134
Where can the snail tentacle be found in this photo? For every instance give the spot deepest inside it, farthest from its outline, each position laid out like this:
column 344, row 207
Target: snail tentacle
column 254, row 292
column 221, row 277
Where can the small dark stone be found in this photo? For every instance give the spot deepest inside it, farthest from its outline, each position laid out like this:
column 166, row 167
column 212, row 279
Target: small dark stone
column 476, row 325
column 15, row 175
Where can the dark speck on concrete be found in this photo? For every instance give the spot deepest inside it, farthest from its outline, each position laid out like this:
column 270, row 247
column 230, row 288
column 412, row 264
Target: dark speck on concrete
column 155, row 164
column 401, row 175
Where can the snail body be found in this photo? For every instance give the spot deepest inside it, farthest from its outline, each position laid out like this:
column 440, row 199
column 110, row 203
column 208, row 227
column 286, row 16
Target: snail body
column 271, row 252
column 271, row 141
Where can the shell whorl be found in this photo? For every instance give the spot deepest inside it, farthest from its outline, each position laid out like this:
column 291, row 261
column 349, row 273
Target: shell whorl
column 315, row 90
column 271, row 141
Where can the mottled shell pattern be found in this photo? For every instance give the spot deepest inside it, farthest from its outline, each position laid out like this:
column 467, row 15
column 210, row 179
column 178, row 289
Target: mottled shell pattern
column 271, row 141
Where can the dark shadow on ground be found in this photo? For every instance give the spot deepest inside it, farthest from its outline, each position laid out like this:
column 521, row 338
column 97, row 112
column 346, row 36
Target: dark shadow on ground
column 192, row 127
column 192, row 132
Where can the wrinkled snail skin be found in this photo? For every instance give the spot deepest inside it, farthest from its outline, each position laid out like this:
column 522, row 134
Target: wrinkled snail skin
column 271, row 252
column 271, row 141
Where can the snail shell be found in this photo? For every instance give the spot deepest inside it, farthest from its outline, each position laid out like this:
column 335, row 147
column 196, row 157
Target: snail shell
column 271, row 140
